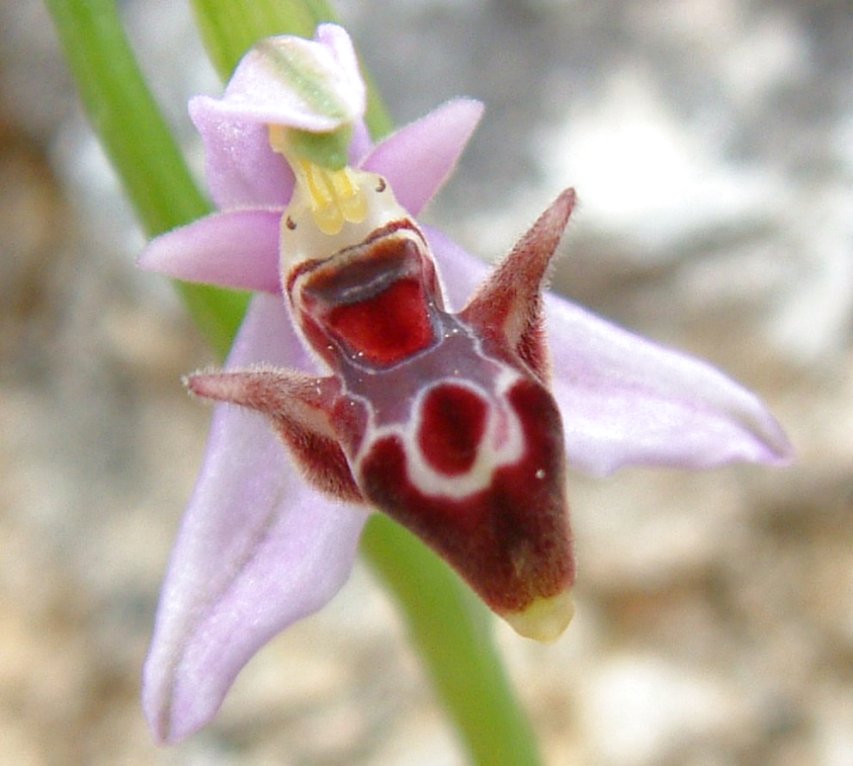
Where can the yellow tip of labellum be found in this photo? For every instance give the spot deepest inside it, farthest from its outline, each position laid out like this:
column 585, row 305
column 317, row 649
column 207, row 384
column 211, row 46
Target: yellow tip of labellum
column 545, row 619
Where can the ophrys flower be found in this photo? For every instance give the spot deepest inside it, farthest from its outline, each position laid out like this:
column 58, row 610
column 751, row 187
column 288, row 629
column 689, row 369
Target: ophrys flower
column 268, row 539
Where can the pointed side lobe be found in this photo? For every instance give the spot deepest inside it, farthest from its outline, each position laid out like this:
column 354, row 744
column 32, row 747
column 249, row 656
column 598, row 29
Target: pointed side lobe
column 298, row 407
column 628, row 401
column 509, row 303
column 236, row 249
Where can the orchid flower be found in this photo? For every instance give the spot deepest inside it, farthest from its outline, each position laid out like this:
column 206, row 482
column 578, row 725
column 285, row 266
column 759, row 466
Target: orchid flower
column 379, row 396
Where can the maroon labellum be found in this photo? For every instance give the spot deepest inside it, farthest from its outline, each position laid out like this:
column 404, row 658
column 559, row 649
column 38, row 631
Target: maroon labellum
column 443, row 421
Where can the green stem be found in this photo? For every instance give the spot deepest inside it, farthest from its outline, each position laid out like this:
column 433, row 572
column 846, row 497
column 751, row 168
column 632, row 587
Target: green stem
column 450, row 628
column 125, row 116
column 140, row 145
column 230, row 28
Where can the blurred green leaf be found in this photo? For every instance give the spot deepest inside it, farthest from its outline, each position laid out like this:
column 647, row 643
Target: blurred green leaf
column 140, row 145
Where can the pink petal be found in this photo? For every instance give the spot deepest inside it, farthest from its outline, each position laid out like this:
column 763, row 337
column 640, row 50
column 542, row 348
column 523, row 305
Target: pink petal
column 257, row 551
column 417, row 159
column 628, row 401
column 236, row 249
column 240, row 167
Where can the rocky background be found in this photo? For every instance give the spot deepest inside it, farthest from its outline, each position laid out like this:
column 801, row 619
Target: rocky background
column 711, row 142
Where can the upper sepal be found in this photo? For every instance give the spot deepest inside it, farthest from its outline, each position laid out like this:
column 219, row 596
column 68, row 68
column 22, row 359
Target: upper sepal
column 313, row 85
column 304, row 85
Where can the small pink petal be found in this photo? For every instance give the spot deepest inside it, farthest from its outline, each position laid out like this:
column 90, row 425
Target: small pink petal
column 417, row 159
column 257, row 551
column 240, row 167
column 236, row 249
column 628, row 401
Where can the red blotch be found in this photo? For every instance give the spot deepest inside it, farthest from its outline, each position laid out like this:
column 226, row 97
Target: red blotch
column 511, row 540
column 387, row 328
column 452, row 426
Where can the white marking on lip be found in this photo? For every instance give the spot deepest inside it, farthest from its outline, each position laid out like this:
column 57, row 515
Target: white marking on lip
column 502, row 443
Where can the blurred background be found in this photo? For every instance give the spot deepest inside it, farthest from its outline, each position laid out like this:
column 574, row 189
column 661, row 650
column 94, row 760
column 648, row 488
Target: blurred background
column 711, row 143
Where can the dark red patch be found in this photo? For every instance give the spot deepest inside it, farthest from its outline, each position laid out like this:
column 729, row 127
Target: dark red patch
column 373, row 300
column 511, row 541
column 386, row 328
column 452, row 427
